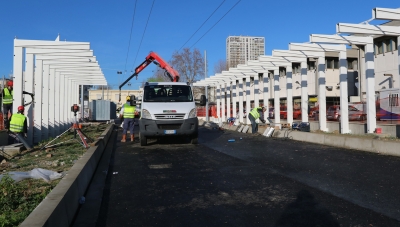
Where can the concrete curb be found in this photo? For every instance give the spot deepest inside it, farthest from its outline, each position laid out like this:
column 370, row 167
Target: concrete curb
column 356, row 143
column 61, row 204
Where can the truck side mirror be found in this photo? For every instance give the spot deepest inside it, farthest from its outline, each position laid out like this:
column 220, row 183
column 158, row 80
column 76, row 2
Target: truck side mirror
column 203, row 100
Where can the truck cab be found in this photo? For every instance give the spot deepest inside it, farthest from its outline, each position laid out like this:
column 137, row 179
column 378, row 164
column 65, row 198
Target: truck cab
column 168, row 109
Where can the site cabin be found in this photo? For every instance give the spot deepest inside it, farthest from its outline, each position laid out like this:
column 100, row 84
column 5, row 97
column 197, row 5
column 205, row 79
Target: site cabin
column 168, row 109
column 388, row 106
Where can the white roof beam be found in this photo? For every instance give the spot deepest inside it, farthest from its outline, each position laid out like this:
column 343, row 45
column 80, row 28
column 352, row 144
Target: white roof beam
column 339, row 39
column 386, row 14
column 367, row 29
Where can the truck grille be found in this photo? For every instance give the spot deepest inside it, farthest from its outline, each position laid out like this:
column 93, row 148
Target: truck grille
column 169, row 127
column 174, row 116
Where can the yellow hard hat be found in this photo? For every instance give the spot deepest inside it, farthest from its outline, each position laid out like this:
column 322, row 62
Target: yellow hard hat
column 128, row 98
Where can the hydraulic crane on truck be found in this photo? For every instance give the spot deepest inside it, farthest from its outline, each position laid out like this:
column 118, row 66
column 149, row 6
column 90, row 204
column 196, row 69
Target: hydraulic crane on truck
column 170, row 72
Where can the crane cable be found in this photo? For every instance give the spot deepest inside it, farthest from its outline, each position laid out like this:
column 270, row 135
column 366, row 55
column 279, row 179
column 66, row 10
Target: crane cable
column 202, row 24
column 148, row 18
column 130, row 36
column 215, row 23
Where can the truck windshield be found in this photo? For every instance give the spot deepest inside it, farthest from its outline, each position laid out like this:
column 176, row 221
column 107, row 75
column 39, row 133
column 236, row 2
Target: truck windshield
column 167, row 93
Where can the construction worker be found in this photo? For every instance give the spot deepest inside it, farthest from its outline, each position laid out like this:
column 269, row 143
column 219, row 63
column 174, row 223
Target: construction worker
column 255, row 113
column 128, row 112
column 18, row 124
column 7, row 102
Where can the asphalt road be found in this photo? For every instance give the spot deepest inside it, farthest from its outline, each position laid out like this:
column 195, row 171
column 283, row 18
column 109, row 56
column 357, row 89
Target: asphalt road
column 254, row 181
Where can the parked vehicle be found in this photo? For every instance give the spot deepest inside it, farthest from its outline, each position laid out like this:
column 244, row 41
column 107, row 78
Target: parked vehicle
column 333, row 113
column 283, row 113
column 296, row 113
column 388, row 106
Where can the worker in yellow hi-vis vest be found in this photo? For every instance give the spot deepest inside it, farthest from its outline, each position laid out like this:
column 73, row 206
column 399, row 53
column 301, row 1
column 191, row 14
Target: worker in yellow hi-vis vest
column 128, row 112
column 255, row 113
column 7, row 102
column 18, row 124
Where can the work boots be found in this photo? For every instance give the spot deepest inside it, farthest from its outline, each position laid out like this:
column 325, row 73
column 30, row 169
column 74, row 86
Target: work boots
column 123, row 138
column 132, row 138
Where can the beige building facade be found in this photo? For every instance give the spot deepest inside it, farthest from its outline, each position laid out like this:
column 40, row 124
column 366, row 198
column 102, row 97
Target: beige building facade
column 112, row 95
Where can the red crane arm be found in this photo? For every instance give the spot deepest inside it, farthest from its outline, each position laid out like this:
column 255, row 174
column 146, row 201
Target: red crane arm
column 156, row 59
column 172, row 74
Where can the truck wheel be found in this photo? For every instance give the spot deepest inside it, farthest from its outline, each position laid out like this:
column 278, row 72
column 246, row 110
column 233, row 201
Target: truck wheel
column 143, row 140
column 195, row 139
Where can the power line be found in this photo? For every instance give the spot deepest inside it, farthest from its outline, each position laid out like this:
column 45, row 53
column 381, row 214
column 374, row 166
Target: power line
column 202, row 24
column 130, row 35
column 215, row 23
column 148, row 18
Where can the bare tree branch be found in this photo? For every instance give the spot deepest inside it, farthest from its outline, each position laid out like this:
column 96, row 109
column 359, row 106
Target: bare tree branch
column 190, row 65
column 220, row 66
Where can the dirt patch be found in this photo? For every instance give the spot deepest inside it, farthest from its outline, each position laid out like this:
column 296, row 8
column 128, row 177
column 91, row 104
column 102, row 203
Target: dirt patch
column 27, row 194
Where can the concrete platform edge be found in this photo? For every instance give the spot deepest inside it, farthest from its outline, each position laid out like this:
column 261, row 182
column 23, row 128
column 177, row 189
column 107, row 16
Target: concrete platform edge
column 61, row 204
column 356, row 143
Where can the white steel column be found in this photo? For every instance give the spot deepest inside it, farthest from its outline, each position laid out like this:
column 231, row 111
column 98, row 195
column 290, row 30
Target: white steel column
column 17, row 77
column 234, row 98
column 228, row 99
column 64, row 105
column 256, row 91
column 370, row 84
column 289, row 98
column 223, row 105
column 248, row 100
column 398, row 59
column 266, row 92
column 321, row 94
column 37, row 121
column 28, row 87
column 304, row 92
column 219, row 102
column 344, row 111
column 57, row 107
column 45, row 102
column 277, row 98
column 241, row 100
column 52, row 94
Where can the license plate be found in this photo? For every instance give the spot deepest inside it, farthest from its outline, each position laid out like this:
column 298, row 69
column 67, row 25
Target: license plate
column 169, row 131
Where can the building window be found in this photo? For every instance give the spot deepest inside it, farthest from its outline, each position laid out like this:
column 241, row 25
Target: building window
column 332, row 63
column 379, row 47
column 98, row 96
column 116, row 96
column 388, row 45
column 395, row 43
column 352, row 63
column 394, row 100
column 296, row 68
column 311, row 65
column 336, row 63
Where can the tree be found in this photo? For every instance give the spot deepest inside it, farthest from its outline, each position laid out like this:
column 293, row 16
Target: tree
column 220, row 66
column 158, row 76
column 190, row 65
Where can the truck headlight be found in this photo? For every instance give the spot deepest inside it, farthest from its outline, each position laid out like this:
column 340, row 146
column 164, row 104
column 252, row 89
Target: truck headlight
column 193, row 113
column 146, row 114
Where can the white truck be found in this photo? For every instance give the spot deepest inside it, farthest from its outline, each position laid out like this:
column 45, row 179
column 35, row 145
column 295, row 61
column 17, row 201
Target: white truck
column 168, row 109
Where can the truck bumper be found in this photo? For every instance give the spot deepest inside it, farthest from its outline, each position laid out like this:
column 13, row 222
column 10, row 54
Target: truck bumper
column 157, row 128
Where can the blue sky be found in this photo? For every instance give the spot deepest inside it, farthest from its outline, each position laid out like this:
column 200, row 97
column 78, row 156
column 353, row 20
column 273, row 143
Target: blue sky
column 107, row 26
